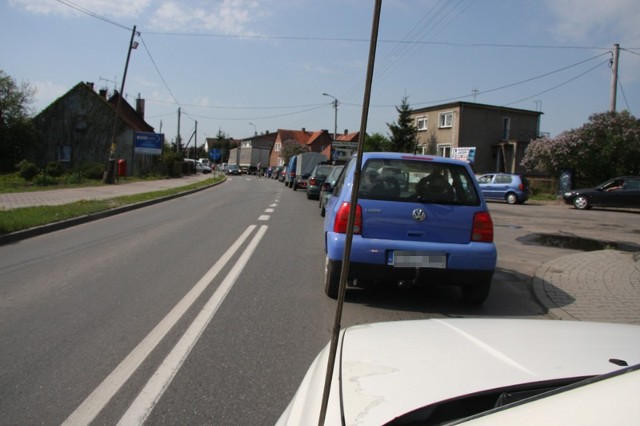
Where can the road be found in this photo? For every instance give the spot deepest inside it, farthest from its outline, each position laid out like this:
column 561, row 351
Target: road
column 209, row 308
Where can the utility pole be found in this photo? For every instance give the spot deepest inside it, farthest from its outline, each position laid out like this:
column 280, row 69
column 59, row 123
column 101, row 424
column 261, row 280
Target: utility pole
column 178, row 136
column 109, row 175
column 614, row 77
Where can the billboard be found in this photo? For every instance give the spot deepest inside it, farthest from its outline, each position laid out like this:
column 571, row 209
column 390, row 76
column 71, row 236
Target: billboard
column 148, row 143
column 467, row 154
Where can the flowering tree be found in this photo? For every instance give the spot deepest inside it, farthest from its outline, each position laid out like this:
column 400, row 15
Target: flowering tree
column 606, row 146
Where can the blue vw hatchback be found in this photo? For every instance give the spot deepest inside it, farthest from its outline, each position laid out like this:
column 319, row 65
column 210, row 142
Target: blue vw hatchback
column 419, row 220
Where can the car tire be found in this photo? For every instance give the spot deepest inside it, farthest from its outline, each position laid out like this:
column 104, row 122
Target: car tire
column 331, row 278
column 511, row 198
column 476, row 293
column 581, row 202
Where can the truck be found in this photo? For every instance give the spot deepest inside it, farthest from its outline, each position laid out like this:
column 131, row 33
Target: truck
column 248, row 158
column 304, row 165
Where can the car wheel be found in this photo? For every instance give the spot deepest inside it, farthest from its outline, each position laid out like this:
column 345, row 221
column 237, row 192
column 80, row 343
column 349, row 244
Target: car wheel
column 477, row 293
column 331, row 278
column 511, row 198
column 581, row 202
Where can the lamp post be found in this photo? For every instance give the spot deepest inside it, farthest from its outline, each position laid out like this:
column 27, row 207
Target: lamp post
column 335, row 119
column 255, row 129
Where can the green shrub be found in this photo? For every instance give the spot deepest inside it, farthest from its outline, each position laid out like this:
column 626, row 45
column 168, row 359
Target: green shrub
column 27, row 170
column 72, row 178
column 54, row 169
column 91, row 170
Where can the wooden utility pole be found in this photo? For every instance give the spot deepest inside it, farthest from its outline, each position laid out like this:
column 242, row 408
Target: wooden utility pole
column 614, row 77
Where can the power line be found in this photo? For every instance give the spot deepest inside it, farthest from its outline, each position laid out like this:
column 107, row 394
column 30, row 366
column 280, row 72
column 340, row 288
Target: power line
column 92, row 14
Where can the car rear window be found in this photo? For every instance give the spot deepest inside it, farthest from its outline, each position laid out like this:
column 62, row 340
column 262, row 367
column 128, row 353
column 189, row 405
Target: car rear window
column 411, row 180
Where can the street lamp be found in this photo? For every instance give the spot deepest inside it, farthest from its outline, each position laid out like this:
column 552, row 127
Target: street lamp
column 335, row 120
column 255, row 129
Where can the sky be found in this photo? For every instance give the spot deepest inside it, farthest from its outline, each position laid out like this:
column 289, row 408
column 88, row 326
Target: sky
column 246, row 66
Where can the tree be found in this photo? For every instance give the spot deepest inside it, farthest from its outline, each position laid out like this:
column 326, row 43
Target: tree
column 290, row 149
column 607, row 145
column 404, row 135
column 18, row 137
column 376, row 142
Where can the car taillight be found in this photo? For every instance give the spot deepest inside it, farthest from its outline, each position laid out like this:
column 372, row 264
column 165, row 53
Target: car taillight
column 293, row 174
column 521, row 187
column 342, row 217
column 482, row 228
column 312, row 181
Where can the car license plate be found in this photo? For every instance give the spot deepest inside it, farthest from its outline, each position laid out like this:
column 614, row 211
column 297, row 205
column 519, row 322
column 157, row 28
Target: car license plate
column 413, row 259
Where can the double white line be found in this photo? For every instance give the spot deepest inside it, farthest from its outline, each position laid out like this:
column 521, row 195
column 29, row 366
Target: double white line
column 155, row 387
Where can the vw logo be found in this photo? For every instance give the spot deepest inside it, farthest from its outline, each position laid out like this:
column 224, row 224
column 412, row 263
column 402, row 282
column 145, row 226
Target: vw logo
column 418, row 215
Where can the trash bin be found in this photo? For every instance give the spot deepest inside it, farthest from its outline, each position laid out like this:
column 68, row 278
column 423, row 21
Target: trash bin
column 122, row 168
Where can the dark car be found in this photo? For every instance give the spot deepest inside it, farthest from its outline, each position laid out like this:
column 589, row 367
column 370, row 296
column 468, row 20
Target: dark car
column 233, row 169
column 420, row 220
column 623, row 191
column 512, row 188
column 317, row 177
column 327, row 187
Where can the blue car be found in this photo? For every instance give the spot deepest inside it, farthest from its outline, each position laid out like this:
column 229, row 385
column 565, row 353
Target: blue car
column 420, row 220
column 514, row 189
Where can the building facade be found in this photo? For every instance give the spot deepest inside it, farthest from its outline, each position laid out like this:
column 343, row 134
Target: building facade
column 78, row 128
column 499, row 135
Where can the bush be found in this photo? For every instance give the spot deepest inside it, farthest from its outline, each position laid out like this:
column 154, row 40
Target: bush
column 54, row 169
column 27, row 170
column 72, row 178
column 93, row 171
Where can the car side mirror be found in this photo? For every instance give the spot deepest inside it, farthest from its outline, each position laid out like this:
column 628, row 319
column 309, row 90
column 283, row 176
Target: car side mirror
column 326, row 187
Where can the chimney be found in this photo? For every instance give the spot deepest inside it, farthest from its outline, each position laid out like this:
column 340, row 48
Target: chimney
column 140, row 106
column 103, row 93
column 346, row 131
column 90, row 84
column 304, row 130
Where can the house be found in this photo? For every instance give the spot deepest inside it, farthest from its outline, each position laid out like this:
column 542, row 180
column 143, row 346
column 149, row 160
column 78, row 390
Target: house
column 252, row 151
column 316, row 141
column 78, row 128
column 499, row 135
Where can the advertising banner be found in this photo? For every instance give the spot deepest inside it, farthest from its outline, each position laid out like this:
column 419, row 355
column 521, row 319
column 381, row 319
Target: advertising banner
column 149, row 143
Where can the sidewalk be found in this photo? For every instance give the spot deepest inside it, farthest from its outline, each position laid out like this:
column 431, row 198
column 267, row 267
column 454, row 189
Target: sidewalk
column 56, row 197
column 601, row 285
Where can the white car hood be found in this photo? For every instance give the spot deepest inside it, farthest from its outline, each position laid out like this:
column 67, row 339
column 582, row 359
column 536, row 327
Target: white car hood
column 389, row 369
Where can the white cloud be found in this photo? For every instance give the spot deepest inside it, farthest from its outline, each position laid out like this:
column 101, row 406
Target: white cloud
column 615, row 21
column 106, row 8
column 224, row 17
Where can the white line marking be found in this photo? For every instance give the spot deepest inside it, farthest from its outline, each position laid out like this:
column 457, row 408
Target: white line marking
column 269, row 211
column 91, row 407
column 264, row 217
column 156, row 386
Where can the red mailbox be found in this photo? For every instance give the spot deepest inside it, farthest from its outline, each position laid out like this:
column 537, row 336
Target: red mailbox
column 122, row 167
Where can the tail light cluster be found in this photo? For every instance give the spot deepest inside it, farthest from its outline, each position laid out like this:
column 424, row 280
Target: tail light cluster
column 342, row 217
column 482, row 228
column 312, row 181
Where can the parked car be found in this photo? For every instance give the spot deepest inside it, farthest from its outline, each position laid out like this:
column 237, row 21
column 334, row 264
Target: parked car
column 327, row 187
column 512, row 188
column 290, row 173
column 317, row 177
column 233, row 169
column 475, row 371
column 305, row 163
column 623, row 191
column 432, row 228
column 195, row 166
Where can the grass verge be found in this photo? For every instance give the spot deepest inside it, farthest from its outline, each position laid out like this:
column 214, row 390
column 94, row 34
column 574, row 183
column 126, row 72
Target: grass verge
column 28, row 217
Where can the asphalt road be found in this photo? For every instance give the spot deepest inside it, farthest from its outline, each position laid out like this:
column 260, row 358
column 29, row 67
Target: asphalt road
column 208, row 309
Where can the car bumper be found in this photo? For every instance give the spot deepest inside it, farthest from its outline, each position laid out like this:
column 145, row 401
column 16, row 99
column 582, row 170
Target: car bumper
column 377, row 252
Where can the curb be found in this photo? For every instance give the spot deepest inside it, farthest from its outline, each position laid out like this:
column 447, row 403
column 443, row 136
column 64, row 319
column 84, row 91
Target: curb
column 14, row 237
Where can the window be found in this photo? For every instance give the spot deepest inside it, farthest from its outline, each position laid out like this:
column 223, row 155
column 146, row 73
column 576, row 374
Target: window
column 64, row 153
column 421, row 123
column 506, row 126
column 444, row 150
column 278, row 147
column 445, row 119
